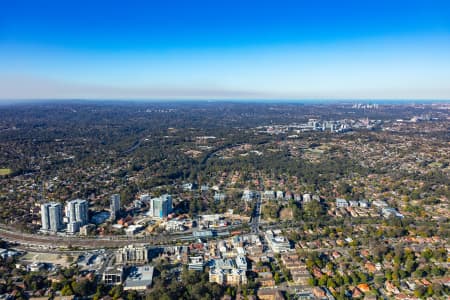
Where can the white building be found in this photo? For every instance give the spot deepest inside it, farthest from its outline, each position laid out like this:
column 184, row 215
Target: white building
column 380, row 203
column 187, row 187
column 306, row 198
column 280, row 195
column 113, row 275
column 161, row 207
column 145, row 197
column 268, row 195
column 248, row 195
column 51, row 217
column 139, row 278
column 232, row 277
column 353, row 203
column 175, row 225
column 196, row 263
column 211, row 218
column 55, row 215
column 114, row 206
column 77, row 211
column 363, row 204
column 241, row 262
column 388, row 212
column 341, row 202
column 219, row 197
column 132, row 254
column 277, row 242
column 133, row 229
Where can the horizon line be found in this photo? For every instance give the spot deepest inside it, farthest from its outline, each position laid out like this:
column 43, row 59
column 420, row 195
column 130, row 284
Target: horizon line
column 225, row 100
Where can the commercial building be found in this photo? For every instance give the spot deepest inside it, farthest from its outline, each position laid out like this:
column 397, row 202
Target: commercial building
column 133, row 229
column 114, row 206
column 161, row 207
column 51, row 217
column 203, row 234
column 277, row 242
column 139, row 278
column 196, row 263
column 113, row 275
column 132, row 254
column 175, row 225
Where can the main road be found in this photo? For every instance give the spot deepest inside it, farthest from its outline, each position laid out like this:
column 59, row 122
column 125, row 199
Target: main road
column 254, row 225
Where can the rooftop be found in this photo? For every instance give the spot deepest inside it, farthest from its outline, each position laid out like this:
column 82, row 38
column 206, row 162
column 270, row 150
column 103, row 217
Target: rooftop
column 139, row 277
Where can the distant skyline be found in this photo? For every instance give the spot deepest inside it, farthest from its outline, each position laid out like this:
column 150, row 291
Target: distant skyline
column 225, row 49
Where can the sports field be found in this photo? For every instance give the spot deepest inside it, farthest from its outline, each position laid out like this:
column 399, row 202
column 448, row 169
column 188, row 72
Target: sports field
column 5, row 172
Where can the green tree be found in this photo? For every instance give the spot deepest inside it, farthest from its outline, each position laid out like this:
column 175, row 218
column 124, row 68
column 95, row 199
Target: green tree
column 427, row 254
column 67, row 290
column 276, row 277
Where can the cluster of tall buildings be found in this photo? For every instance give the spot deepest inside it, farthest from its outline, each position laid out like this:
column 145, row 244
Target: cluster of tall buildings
column 76, row 215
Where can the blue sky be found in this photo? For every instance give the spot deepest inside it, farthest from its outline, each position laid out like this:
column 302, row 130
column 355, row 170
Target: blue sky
column 225, row 49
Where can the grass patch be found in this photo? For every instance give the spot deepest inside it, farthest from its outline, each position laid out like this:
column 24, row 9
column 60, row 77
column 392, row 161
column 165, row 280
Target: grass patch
column 4, row 172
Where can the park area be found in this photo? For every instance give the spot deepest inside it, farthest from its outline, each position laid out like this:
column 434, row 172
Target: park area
column 4, row 172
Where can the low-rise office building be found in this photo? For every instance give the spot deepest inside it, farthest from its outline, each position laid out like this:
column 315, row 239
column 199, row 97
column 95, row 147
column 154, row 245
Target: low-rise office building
column 277, row 242
column 139, row 278
column 132, row 254
column 113, row 275
column 227, row 276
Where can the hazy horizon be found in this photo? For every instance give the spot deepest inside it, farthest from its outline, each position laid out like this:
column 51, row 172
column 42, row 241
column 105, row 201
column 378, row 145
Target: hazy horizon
column 235, row 101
